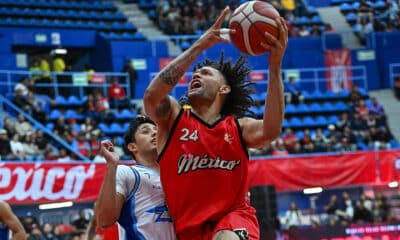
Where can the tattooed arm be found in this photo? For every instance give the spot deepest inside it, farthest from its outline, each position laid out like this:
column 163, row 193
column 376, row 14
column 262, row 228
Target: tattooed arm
column 157, row 104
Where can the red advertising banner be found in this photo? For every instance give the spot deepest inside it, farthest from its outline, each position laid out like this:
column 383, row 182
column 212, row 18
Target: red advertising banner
column 50, row 182
column 97, row 78
column 256, row 76
column 339, row 76
column 23, row 183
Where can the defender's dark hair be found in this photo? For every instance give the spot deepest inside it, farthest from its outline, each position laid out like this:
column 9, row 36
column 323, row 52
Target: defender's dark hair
column 129, row 136
column 238, row 101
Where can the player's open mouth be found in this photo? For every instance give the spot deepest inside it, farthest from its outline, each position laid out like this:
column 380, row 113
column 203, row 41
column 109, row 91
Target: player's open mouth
column 195, row 84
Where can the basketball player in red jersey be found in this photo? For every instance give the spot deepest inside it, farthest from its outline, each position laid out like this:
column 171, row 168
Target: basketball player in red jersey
column 203, row 149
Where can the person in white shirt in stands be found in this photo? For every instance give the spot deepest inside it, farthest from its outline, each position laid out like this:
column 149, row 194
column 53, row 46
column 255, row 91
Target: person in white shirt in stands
column 293, row 216
column 132, row 195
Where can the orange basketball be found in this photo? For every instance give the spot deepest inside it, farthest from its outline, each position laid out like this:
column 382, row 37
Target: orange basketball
column 251, row 20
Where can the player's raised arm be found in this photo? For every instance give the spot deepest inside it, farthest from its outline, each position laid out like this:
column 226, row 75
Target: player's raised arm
column 158, row 105
column 257, row 133
column 8, row 218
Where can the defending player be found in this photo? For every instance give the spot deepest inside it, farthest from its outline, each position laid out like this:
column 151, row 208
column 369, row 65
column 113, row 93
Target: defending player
column 132, row 195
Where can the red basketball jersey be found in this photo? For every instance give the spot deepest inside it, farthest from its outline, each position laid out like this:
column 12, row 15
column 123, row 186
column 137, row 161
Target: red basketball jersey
column 204, row 172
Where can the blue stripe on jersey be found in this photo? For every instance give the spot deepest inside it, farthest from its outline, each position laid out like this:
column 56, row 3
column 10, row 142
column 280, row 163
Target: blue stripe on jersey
column 127, row 218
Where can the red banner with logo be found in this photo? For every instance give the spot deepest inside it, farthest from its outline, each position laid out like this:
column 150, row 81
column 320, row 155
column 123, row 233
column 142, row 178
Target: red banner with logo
column 339, row 74
column 54, row 182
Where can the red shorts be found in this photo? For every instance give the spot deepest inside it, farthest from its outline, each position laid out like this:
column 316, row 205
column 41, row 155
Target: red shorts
column 241, row 218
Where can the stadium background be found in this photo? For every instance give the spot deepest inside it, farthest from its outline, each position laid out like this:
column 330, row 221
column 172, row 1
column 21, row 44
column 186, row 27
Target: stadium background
column 100, row 37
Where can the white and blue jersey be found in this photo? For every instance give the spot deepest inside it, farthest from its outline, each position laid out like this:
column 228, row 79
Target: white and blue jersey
column 4, row 232
column 144, row 214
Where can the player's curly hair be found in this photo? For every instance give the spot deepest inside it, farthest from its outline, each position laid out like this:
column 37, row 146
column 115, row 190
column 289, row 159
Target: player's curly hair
column 238, row 101
column 129, row 136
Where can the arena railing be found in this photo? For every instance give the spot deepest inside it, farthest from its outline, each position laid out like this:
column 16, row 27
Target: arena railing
column 8, row 103
column 76, row 81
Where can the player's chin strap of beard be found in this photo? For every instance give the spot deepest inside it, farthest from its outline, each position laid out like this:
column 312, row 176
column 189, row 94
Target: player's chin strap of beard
column 224, row 33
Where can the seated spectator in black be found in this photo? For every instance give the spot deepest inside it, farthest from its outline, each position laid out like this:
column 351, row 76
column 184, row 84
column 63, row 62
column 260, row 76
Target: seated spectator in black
column 331, row 208
column 315, row 30
column 384, row 205
column 80, row 225
column 5, row 146
column 376, row 109
column 306, row 142
column 359, row 127
column 378, row 214
column 333, row 138
column 355, row 95
column 89, row 107
column 21, row 100
column 381, row 137
column 294, row 92
column 320, row 141
column 42, row 142
column 343, row 121
column 60, row 128
column 350, row 137
column 117, row 96
column 37, row 106
column 361, row 213
column 397, row 88
column 9, row 126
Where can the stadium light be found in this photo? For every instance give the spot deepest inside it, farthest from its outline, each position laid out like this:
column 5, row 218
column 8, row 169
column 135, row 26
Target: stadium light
column 393, row 184
column 55, row 205
column 61, row 51
column 312, row 190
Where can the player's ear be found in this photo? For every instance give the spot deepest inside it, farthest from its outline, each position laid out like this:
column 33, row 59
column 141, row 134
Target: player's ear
column 132, row 148
column 225, row 89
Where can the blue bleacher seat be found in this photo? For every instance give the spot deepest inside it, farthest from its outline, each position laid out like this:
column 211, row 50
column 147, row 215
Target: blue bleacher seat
column 61, row 101
column 328, row 107
column 302, row 108
column 299, row 134
column 285, row 123
column 295, row 122
column 54, row 114
column 321, row 121
column 341, row 106
column 74, row 101
column 116, row 128
column 308, row 122
column 333, row 119
column 351, row 17
column 315, row 107
column 125, row 114
column 104, row 128
column 290, row 108
column 72, row 114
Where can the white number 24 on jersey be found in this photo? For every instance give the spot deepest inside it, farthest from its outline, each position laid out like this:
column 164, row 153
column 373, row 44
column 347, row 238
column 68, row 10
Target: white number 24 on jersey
column 187, row 135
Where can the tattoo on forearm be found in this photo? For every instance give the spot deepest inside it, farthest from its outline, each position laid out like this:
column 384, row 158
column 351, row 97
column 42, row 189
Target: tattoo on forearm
column 163, row 108
column 171, row 75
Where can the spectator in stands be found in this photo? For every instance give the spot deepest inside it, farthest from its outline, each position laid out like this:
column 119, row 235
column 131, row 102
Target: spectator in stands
column 63, row 156
column 333, row 138
column 359, row 127
column 331, row 208
column 361, row 213
column 24, row 85
column 315, row 30
column 380, row 138
column 89, row 108
column 199, row 19
column 42, row 142
column 306, row 142
column 133, row 76
column 391, row 10
column 31, row 149
column 293, row 217
column 102, row 106
column 9, row 126
column 349, row 139
column 303, row 31
column 88, row 126
column 17, row 147
column 365, row 11
column 60, row 128
column 362, row 109
column 355, row 95
column 343, row 121
column 22, row 126
column 289, row 140
column 11, row 221
column 278, row 148
column 396, row 89
column 37, row 106
column 48, row 232
column 293, row 89
column 346, row 209
column 81, row 223
column 94, row 144
column 320, row 141
column 384, row 205
column 34, row 70
column 59, row 67
column 116, row 95
column 376, row 109
column 81, row 145
column 363, row 28
column 5, row 146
